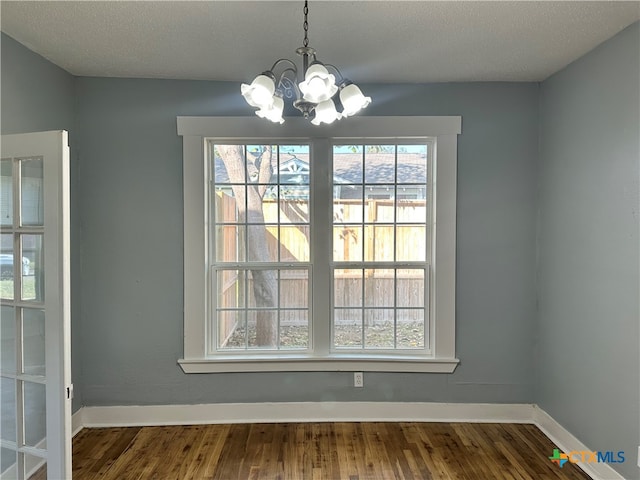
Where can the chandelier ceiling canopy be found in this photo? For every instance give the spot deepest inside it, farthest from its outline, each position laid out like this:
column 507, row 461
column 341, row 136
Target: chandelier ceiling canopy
column 317, row 93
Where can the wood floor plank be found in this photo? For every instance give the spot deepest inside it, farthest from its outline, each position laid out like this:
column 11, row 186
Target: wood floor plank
column 319, row 451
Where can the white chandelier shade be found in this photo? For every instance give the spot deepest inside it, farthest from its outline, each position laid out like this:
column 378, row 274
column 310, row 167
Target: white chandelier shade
column 316, row 95
column 319, row 85
column 353, row 100
column 326, row 113
column 273, row 111
column 261, row 91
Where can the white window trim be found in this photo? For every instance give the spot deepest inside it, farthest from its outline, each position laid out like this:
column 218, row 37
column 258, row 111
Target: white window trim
column 195, row 131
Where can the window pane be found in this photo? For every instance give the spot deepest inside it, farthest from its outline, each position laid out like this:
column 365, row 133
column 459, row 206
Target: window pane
column 230, row 286
column 410, row 209
column 6, row 266
column 8, row 417
column 379, row 164
column 228, row 203
column 232, row 329
column 379, row 330
column 294, row 329
column 347, row 243
column 6, row 192
column 262, row 328
column 8, row 339
column 32, row 268
column 410, row 328
column 347, row 288
column 261, row 163
column 347, row 327
column 379, row 207
column 410, row 287
column 294, row 164
column 294, row 288
column 262, row 243
column 347, row 164
column 379, row 243
column 346, row 210
column 294, row 204
column 34, row 414
column 230, row 243
column 294, row 243
column 262, row 288
column 379, row 288
column 412, row 164
column 411, row 243
column 33, row 341
column 32, row 192
column 228, row 164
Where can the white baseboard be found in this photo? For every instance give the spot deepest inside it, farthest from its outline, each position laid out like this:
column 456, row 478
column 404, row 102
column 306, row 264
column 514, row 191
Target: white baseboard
column 305, row 412
column 77, row 421
column 567, row 442
column 292, row 412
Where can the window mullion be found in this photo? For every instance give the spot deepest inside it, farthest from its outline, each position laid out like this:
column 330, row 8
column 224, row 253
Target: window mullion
column 321, row 223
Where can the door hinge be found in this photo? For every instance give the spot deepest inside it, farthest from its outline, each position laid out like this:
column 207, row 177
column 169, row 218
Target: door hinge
column 70, row 392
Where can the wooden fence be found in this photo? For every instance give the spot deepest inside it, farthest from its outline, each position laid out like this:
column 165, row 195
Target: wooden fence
column 351, row 242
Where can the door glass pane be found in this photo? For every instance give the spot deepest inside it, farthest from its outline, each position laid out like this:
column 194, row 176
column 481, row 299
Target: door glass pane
column 8, row 340
column 6, row 266
column 8, row 423
column 32, row 192
column 34, row 414
column 35, row 468
column 32, row 268
column 33, row 341
column 7, row 460
column 6, row 193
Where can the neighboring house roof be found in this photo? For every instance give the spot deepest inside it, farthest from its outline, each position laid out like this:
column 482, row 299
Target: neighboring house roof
column 412, row 168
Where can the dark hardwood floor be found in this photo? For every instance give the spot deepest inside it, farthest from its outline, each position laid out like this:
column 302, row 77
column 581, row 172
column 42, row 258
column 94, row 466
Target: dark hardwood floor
column 299, row 451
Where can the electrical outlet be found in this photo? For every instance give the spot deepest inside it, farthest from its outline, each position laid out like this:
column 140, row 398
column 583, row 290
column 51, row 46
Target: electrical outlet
column 358, row 379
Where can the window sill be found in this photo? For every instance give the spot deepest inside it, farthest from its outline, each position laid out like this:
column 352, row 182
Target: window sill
column 332, row 363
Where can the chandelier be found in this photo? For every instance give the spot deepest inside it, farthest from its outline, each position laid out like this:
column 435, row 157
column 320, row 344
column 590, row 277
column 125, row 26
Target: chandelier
column 317, row 93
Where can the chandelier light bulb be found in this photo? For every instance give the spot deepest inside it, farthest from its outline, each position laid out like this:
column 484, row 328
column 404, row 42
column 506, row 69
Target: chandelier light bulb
column 326, row 113
column 352, row 100
column 319, row 85
column 260, row 92
column 274, row 111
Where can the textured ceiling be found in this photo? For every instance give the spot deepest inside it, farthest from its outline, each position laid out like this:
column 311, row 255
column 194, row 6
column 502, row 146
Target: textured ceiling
column 392, row 41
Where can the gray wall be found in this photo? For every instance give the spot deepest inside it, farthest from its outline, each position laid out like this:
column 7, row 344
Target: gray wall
column 588, row 350
column 130, row 197
column 39, row 96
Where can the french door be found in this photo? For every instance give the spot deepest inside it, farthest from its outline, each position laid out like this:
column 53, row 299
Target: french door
column 35, row 368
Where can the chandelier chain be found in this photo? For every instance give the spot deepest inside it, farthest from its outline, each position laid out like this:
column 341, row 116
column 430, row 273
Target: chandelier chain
column 305, row 25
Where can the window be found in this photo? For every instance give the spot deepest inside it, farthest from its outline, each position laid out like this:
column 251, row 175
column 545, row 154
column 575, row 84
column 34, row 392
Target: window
column 381, row 220
column 260, row 247
column 319, row 249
